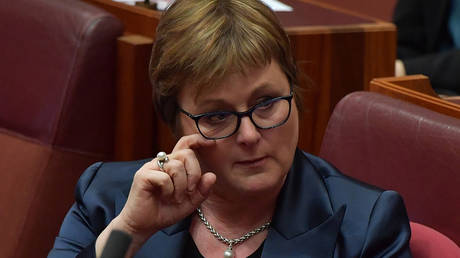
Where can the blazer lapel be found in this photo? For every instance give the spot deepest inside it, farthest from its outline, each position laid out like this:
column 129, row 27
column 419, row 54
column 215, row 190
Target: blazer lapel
column 304, row 224
column 168, row 243
column 317, row 242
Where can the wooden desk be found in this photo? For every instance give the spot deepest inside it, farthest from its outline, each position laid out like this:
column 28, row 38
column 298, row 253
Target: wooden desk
column 417, row 90
column 340, row 52
column 374, row 9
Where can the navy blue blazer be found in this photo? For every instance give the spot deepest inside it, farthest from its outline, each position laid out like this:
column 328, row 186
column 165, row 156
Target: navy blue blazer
column 320, row 213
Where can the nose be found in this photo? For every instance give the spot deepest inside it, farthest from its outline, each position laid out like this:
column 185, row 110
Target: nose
column 248, row 133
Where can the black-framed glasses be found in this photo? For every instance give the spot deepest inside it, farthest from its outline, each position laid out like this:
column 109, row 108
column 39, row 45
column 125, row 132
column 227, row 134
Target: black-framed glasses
column 268, row 114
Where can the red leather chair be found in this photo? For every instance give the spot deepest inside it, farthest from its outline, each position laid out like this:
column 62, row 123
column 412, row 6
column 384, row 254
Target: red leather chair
column 426, row 242
column 400, row 146
column 57, row 94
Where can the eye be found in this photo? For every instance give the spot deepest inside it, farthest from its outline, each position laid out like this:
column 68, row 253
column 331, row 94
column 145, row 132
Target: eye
column 266, row 105
column 216, row 118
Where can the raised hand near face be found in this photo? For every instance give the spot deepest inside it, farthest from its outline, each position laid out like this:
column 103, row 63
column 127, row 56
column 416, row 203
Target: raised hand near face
column 160, row 197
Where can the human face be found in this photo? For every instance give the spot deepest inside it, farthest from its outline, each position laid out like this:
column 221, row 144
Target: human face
column 252, row 160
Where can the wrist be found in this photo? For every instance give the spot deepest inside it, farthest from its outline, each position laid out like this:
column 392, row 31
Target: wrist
column 138, row 237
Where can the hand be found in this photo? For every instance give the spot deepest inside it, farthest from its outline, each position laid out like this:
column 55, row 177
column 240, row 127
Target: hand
column 159, row 199
column 400, row 69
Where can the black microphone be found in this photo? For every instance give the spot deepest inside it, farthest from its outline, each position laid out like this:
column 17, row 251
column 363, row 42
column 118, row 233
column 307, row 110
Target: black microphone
column 117, row 245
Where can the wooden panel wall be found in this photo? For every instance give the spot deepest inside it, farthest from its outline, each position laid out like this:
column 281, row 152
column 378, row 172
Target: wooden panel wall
column 339, row 60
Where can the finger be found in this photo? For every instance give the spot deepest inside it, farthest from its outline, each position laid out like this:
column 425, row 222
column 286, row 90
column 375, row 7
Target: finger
column 151, row 165
column 205, row 185
column 192, row 167
column 176, row 170
column 193, row 141
column 154, row 181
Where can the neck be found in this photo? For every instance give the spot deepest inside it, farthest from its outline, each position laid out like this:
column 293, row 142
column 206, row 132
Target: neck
column 236, row 215
column 232, row 218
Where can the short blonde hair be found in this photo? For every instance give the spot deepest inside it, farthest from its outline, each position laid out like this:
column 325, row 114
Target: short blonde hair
column 200, row 42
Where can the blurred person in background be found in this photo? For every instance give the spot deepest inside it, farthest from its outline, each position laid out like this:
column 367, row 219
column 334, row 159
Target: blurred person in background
column 429, row 42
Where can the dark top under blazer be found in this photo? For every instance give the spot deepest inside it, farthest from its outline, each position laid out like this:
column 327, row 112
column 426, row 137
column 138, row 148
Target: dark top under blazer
column 424, row 41
column 320, row 213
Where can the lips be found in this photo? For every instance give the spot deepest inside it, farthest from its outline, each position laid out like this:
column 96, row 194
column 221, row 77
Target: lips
column 252, row 162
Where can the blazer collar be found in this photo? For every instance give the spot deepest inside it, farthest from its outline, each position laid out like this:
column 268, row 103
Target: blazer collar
column 303, row 202
column 304, row 223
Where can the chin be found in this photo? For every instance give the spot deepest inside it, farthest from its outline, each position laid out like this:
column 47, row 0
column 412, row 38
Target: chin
column 259, row 183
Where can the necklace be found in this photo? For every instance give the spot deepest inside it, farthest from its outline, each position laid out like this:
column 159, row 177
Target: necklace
column 230, row 242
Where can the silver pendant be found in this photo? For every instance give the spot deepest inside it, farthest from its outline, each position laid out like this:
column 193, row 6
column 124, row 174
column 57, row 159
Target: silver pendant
column 228, row 253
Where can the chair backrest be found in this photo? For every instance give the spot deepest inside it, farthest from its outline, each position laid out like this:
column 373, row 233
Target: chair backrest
column 426, row 242
column 57, row 94
column 397, row 145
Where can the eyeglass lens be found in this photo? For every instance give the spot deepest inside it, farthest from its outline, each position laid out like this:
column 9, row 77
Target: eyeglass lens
column 268, row 114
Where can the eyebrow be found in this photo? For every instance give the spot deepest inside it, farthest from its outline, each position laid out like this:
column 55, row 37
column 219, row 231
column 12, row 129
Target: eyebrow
column 262, row 89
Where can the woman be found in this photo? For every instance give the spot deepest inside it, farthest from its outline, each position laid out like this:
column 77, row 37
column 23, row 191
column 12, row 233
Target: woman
column 225, row 82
